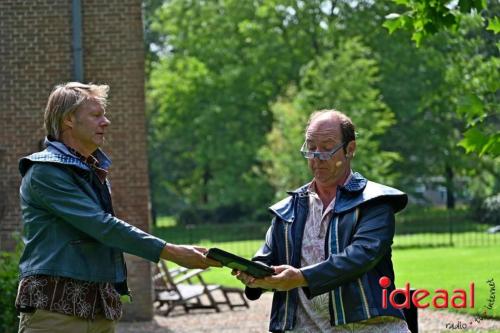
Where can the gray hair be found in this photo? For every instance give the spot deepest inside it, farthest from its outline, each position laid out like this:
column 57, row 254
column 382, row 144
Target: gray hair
column 65, row 99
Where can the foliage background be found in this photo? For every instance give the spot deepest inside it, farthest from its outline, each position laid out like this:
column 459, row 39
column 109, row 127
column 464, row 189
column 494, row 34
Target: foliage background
column 231, row 85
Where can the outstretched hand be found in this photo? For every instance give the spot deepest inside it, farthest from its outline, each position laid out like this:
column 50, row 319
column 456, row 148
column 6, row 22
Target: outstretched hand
column 188, row 256
column 286, row 278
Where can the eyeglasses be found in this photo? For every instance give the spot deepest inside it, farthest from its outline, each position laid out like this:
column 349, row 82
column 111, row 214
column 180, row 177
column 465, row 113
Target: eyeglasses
column 322, row 155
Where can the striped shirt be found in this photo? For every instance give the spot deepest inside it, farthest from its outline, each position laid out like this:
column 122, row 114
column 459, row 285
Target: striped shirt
column 313, row 315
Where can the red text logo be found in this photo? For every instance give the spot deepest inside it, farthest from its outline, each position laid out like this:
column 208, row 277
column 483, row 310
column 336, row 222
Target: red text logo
column 439, row 299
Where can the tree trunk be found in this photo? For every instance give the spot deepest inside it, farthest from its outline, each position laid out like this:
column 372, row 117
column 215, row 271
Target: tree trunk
column 206, row 179
column 450, row 188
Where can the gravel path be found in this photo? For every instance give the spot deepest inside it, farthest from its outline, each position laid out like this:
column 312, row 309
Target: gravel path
column 256, row 320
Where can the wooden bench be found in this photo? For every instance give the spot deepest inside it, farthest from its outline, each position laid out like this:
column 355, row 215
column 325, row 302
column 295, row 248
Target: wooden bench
column 187, row 288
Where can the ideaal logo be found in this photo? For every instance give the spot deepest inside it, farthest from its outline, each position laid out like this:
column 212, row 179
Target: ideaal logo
column 441, row 298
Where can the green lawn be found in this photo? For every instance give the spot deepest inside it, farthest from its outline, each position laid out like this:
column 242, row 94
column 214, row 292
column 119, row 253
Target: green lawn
column 450, row 268
column 422, row 266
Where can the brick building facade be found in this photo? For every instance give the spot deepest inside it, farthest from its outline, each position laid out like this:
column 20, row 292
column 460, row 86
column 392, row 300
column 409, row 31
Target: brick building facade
column 36, row 53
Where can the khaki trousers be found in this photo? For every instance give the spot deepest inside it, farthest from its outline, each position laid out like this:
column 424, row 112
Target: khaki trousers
column 42, row 321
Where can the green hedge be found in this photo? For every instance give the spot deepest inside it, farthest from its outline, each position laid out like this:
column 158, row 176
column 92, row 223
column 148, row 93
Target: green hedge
column 221, row 214
column 9, row 273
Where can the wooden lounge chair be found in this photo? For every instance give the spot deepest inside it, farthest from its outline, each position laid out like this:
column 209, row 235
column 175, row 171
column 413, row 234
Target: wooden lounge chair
column 176, row 287
column 186, row 287
column 228, row 290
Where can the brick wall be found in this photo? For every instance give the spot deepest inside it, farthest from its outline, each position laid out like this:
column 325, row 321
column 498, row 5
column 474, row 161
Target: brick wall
column 35, row 55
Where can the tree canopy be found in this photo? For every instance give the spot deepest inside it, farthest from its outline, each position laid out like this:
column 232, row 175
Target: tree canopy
column 231, row 85
column 474, row 74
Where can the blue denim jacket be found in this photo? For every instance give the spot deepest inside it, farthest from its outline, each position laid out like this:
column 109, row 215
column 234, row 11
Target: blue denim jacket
column 66, row 230
column 357, row 252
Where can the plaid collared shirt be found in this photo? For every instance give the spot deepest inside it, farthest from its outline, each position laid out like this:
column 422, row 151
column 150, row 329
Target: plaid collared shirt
column 92, row 162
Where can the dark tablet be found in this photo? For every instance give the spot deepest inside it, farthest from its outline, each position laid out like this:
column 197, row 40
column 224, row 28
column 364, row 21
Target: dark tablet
column 256, row 269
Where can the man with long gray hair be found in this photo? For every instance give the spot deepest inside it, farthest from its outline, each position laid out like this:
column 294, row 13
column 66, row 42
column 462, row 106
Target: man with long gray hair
column 73, row 273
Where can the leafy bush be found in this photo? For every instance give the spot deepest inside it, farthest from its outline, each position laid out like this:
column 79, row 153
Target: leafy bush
column 489, row 211
column 8, row 288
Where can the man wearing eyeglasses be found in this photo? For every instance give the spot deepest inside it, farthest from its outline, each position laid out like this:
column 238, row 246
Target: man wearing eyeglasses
column 330, row 242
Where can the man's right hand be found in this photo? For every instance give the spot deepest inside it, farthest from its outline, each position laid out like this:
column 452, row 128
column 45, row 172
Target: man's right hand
column 188, row 256
column 285, row 278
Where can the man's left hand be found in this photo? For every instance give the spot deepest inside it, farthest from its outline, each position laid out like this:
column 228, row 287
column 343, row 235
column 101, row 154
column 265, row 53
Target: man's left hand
column 188, row 256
